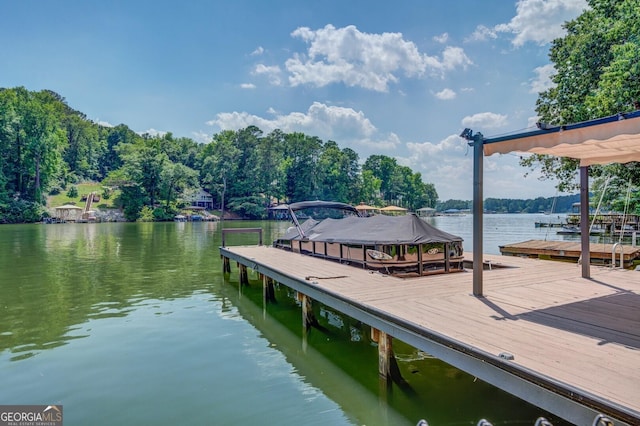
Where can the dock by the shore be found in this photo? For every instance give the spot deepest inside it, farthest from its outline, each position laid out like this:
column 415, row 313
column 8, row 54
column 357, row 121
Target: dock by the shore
column 567, row 344
column 570, row 251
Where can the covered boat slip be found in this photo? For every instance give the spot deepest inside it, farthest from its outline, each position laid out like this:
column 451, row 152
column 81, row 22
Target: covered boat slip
column 400, row 245
column 575, row 342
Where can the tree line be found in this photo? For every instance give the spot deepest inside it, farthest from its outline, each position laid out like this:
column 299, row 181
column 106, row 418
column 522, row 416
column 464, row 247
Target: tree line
column 560, row 204
column 46, row 147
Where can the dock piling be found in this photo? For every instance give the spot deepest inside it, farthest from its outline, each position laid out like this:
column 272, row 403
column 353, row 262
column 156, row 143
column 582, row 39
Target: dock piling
column 244, row 275
column 268, row 292
column 388, row 368
column 308, row 319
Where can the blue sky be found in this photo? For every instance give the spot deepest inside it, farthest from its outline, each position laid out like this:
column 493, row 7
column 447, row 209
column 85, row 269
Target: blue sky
column 401, row 78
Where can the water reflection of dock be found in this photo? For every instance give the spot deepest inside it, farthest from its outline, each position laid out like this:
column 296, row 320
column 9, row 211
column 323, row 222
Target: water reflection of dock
column 543, row 333
column 601, row 254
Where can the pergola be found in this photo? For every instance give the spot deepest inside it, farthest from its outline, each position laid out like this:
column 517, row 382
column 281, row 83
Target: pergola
column 66, row 212
column 367, row 209
column 393, row 210
column 614, row 139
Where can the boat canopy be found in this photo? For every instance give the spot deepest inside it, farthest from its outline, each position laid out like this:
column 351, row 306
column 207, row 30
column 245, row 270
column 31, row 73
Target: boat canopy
column 321, row 204
column 379, row 229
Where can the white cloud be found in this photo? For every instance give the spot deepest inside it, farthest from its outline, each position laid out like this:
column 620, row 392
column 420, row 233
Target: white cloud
column 485, row 120
column 540, row 21
column 344, row 125
column 448, row 145
column 482, row 33
column 153, row 132
column 272, row 72
column 104, row 123
column 542, row 81
column 370, row 61
column 248, row 86
column 446, row 164
column 259, row 51
column 442, row 38
column 454, row 57
column 531, row 121
column 446, row 94
column 202, row 137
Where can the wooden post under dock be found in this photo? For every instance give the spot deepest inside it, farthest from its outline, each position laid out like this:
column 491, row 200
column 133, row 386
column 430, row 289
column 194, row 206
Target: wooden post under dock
column 385, row 352
column 308, row 319
column 268, row 295
column 542, row 332
column 244, row 275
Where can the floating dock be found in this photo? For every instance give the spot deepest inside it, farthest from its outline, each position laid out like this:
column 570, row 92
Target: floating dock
column 570, row 251
column 543, row 333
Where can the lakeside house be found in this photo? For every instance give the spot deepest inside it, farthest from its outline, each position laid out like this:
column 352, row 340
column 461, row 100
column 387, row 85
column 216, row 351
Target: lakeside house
column 202, row 199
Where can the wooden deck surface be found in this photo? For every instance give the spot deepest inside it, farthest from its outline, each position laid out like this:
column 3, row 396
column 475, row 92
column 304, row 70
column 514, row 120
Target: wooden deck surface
column 584, row 333
column 570, row 250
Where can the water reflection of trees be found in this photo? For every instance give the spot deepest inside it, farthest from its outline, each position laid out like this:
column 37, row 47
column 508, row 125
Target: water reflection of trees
column 55, row 277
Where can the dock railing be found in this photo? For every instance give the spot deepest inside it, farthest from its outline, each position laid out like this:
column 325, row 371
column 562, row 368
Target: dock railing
column 226, row 231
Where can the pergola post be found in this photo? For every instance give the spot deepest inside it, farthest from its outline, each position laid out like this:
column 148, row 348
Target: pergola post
column 584, row 222
column 478, row 263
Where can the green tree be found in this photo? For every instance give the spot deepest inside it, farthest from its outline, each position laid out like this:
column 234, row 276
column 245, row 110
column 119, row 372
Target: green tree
column 175, row 179
column 143, row 164
column 339, row 173
column 114, row 137
column 270, row 160
column 41, row 144
column 383, row 168
column 83, row 149
column 301, row 169
column 598, row 74
column 220, row 160
column 369, row 188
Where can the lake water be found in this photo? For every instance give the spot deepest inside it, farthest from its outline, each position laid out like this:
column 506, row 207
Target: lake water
column 134, row 323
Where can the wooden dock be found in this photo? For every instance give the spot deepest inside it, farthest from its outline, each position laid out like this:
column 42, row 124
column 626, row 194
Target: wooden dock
column 570, row 251
column 575, row 342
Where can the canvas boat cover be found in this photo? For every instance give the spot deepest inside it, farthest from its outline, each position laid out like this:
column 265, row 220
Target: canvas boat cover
column 379, row 229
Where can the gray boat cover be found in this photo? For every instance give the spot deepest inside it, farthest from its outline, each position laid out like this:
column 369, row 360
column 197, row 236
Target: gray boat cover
column 378, row 229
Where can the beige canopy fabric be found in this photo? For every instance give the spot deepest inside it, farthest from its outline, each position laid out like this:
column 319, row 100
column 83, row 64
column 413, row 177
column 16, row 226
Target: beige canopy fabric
column 614, row 139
